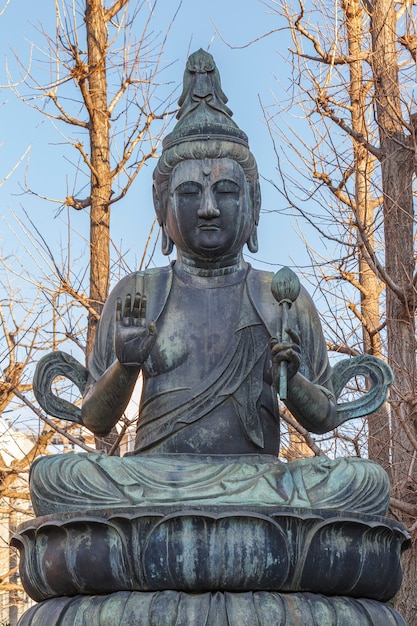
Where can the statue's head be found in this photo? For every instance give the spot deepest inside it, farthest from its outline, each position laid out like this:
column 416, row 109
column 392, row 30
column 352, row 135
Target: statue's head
column 205, row 161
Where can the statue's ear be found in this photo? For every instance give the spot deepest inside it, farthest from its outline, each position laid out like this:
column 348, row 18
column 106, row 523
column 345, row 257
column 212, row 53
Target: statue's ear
column 255, row 202
column 252, row 242
column 157, row 204
column 167, row 243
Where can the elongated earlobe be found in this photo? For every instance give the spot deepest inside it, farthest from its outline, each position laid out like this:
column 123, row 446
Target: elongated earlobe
column 167, row 243
column 252, row 242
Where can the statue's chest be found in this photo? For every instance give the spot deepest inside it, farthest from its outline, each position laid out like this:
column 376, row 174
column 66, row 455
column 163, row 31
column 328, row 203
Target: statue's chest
column 195, row 329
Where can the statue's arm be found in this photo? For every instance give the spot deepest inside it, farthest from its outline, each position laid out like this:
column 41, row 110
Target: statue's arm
column 310, row 396
column 106, row 398
column 312, row 405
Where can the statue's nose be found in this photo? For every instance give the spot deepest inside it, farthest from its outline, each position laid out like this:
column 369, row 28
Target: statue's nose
column 208, row 207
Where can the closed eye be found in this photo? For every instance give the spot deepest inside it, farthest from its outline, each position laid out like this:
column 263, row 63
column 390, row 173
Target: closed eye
column 189, row 188
column 226, row 187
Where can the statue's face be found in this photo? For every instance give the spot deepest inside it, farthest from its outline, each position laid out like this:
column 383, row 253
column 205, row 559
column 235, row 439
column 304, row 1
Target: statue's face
column 208, row 212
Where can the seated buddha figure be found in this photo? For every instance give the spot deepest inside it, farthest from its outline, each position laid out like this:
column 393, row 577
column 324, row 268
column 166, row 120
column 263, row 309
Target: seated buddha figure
column 204, row 333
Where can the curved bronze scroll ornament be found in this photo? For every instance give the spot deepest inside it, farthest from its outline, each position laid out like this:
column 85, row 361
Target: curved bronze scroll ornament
column 377, row 373
column 54, row 365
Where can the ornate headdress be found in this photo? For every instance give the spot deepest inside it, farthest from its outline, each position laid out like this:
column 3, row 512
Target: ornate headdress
column 205, row 130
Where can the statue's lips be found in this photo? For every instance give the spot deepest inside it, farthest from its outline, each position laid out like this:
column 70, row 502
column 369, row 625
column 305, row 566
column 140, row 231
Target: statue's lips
column 209, row 227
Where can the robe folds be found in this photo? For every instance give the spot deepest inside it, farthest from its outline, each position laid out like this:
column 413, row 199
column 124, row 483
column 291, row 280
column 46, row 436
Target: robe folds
column 74, row 482
column 239, row 375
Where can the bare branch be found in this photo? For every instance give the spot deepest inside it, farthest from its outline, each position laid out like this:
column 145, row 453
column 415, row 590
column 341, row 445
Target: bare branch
column 303, row 432
column 52, row 424
column 323, row 56
column 404, row 507
column 14, row 168
column 64, row 117
column 326, row 110
column 114, row 9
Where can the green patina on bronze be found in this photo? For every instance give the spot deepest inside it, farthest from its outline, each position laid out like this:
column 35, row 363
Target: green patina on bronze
column 207, row 144
column 216, row 341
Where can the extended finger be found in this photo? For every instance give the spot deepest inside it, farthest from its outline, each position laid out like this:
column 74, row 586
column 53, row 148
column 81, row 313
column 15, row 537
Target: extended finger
column 136, row 306
column 127, row 306
column 293, row 336
column 118, row 310
column 143, row 309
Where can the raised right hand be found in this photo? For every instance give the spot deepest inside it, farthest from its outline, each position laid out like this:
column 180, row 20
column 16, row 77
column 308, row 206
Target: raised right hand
column 134, row 337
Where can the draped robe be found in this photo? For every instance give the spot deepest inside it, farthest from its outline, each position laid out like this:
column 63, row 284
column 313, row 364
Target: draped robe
column 242, row 374
column 239, row 388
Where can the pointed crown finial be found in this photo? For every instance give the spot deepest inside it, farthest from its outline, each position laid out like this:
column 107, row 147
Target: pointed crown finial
column 203, row 111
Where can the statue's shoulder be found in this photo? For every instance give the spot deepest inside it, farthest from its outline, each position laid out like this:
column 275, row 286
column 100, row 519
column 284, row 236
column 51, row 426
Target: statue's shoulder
column 259, row 275
column 259, row 281
column 302, row 313
column 142, row 281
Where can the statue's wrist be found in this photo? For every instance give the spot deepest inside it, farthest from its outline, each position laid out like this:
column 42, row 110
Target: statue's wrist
column 295, row 381
column 129, row 370
column 101, row 435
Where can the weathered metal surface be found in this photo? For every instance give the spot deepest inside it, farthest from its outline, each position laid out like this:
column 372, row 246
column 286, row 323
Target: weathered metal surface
column 54, row 365
column 204, row 333
column 200, row 334
column 206, row 550
column 376, row 371
column 285, row 287
column 170, row 608
column 74, row 482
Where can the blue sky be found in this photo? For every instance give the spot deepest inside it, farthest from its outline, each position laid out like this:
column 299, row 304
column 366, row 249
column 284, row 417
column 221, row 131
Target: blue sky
column 248, row 76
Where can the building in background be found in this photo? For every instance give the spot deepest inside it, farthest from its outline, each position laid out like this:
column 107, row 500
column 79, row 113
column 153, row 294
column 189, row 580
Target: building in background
column 15, row 508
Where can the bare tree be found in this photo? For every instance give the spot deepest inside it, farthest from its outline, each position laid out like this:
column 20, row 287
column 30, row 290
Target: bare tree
column 39, row 313
column 103, row 83
column 352, row 66
column 103, row 87
column 23, row 333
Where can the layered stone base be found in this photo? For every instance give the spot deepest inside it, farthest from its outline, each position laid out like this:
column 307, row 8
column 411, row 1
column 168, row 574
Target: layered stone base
column 172, row 608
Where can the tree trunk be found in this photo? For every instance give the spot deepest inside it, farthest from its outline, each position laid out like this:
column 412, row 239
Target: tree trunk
column 101, row 191
column 378, row 422
column 398, row 225
column 99, row 125
column 397, row 176
column 376, row 105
